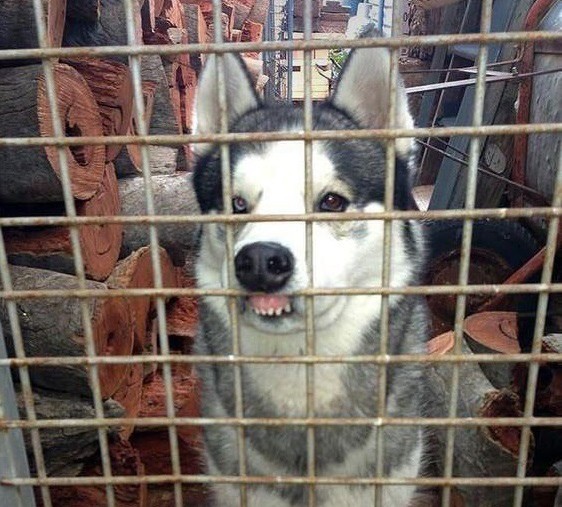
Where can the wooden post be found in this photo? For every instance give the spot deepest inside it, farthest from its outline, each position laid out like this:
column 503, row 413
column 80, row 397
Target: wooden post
column 33, row 174
column 46, row 336
column 112, row 87
column 51, row 247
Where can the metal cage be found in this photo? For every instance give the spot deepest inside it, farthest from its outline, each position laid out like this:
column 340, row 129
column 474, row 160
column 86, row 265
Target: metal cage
column 14, row 484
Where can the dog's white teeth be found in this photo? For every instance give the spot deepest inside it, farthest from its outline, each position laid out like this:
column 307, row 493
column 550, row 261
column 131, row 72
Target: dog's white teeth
column 287, row 308
column 270, row 311
column 279, row 311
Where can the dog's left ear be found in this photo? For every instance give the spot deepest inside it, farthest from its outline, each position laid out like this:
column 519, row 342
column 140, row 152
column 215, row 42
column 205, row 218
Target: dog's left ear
column 240, row 96
column 363, row 92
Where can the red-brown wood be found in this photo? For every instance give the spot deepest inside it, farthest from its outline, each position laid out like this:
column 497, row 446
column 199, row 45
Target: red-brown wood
column 186, row 391
column 125, row 461
column 51, row 247
column 33, row 174
column 129, row 396
column 136, row 272
column 183, row 313
column 54, row 328
column 112, row 87
column 129, row 159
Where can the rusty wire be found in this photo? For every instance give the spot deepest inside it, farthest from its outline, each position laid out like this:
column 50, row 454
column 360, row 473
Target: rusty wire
column 166, row 359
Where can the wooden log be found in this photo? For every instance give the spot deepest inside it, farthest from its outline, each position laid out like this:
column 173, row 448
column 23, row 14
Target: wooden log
column 136, row 272
column 83, row 10
column 129, row 397
column 18, row 30
column 225, row 24
column 112, row 87
column 196, row 27
column 173, row 195
column 66, row 448
column 148, row 17
column 125, row 461
column 129, row 160
column 482, row 451
column 172, row 12
column 259, row 11
column 25, row 111
column 109, row 30
column 53, row 327
column 186, row 391
column 51, row 247
column 154, row 451
column 495, row 333
column 183, row 314
column 251, row 31
column 242, row 11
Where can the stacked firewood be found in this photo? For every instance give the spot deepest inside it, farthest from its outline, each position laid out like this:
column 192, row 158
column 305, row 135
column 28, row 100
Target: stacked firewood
column 95, row 98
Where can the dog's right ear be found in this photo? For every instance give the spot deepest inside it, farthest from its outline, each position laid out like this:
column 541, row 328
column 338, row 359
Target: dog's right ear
column 241, row 96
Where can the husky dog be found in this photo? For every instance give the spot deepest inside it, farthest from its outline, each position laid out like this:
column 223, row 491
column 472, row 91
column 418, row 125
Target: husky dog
column 269, row 259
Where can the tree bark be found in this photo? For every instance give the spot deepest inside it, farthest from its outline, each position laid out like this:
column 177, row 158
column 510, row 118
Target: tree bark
column 112, row 87
column 67, row 448
column 52, row 327
column 32, row 174
column 109, row 30
column 18, row 30
column 83, row 10
column 51, row 247
column 125, row 461
column 173, row 195
column 479, row 452
column 196, row 32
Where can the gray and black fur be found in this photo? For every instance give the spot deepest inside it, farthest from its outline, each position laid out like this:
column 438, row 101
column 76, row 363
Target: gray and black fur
column 350, row 390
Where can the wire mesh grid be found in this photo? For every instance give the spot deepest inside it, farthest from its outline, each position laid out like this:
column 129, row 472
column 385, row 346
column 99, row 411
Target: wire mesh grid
column 311, row 422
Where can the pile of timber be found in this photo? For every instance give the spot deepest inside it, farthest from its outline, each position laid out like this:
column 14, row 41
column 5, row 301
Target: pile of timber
column 95, row 98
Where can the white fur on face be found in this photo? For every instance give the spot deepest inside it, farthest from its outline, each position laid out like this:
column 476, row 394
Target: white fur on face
column 273, row 183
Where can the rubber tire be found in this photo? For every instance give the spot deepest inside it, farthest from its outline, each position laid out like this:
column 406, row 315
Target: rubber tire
column 507, row 238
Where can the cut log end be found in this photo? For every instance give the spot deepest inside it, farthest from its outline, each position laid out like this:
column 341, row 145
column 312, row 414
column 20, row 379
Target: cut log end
column 80, row 117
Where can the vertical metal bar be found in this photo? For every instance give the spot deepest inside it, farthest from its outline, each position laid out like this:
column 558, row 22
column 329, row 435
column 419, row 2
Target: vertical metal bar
column 472, row 177
column 70, row 208
column 290, row 30
column 12, row 440
column 380, row 13
column 310, row 331
column 227, row 206
column 135, row 66
column 387, row 245
column 532, row 378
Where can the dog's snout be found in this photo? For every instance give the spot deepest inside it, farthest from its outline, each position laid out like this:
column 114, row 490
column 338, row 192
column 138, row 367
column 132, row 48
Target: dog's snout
column 264, row 266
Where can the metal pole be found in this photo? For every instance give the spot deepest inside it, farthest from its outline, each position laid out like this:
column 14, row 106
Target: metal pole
column 290, row 29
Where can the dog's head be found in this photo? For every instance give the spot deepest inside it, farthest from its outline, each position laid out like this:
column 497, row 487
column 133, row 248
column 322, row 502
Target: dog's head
column 269, row 178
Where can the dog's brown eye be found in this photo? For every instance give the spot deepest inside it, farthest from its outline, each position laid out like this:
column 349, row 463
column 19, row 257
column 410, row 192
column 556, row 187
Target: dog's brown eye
column 239, row 205
column 333, row 202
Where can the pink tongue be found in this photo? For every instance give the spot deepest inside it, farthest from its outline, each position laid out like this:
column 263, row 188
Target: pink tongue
column 264, row 303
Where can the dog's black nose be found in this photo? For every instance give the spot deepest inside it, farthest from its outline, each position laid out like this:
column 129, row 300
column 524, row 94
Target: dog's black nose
column 263, row 266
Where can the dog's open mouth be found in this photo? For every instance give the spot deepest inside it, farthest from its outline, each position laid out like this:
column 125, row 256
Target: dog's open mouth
column 270, row 305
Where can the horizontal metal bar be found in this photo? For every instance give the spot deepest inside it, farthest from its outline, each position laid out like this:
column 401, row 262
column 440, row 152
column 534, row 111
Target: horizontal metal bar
column 449, row 214
column 295, row 45
column 233, row 359
column 530, row 288
column 467, row 422
column 231, row 137
column 279, row 479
